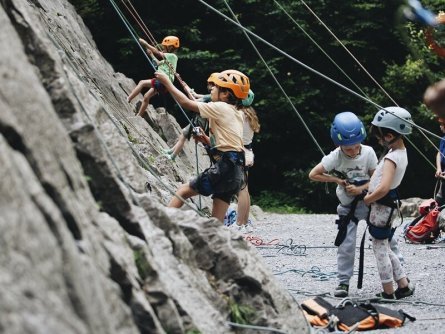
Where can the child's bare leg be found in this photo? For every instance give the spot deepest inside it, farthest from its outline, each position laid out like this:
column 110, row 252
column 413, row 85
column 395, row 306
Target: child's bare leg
column 179, row 145
column 138, row 88
column 184, row 191
column 402, row 283
column 219, row 209
column 146, row 101
column 388, row 288
column 243, row 206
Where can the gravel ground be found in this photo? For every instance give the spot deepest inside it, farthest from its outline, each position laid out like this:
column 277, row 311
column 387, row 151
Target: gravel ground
column 298, row 270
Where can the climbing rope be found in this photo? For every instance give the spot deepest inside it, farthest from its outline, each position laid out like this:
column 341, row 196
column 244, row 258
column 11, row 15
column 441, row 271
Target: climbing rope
column 134, row 36
column 314, row 272
column 259, row 328
column 142, row 161
column 310, row 68
column 147, row 32
column 134, row 13
column 276, row 81
column 348, row 77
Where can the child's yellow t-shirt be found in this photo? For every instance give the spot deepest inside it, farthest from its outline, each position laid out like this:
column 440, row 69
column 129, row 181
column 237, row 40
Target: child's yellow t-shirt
column 226, row 125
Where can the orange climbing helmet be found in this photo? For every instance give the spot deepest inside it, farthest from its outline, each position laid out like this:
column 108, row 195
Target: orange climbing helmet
column 212, row 77
column 171, row 41
column 235, row 80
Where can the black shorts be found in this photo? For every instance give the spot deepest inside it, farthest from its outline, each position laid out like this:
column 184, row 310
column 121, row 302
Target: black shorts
column 223, row 179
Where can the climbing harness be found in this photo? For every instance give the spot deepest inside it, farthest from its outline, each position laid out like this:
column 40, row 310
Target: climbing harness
column 349, row 315
column 391, row 200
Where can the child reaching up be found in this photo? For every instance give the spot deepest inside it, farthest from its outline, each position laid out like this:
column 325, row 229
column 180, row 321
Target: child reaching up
column 166, row 62
column 225, row 176
column 389, row 126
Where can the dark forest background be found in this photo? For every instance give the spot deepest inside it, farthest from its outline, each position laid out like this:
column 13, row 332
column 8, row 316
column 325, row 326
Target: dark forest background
column 391, row 48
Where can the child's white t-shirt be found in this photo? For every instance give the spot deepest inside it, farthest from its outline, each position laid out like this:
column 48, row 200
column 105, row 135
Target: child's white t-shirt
column 356, row 169
column 247, row 131
column 400, row 158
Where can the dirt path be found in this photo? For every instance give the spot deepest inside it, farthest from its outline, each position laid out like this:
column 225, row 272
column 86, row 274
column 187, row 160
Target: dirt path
column 312, row 270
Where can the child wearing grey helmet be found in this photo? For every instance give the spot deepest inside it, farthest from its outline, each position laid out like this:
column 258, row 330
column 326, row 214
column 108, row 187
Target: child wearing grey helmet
column 389, row 126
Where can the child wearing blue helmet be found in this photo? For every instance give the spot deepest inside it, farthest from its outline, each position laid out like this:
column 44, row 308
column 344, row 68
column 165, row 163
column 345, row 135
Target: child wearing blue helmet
column 350, row 166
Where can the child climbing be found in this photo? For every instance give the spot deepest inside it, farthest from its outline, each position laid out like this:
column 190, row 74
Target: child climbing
column 356, row 162
column 197, row 121
column 440, row 166
column 389, row 126
column 225, row 176
column 251, row 125
column 166, row 62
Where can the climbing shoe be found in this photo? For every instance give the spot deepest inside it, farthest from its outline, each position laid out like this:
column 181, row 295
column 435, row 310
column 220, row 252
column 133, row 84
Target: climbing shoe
column 166, row 150
column 171, row 157
column 385, row 295
column 341, row 290
column 404, row 292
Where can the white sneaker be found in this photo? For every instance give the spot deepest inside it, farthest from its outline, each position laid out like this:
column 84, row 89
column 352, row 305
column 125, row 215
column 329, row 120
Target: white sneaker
column 249, row 227
column 238, row 228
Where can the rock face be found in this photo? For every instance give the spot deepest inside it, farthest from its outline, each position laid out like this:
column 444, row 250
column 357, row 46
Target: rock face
column 87, row 244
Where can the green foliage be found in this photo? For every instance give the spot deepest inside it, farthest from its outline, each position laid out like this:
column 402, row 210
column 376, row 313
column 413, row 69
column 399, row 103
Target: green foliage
column 393, row 51
column 277, row 202
column 240, row 314
column 142, row 265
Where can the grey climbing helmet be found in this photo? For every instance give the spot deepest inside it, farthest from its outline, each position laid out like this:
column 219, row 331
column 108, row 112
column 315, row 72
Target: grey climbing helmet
column 394, row 118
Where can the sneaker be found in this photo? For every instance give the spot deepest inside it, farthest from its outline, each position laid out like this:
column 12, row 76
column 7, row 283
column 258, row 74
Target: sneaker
column 341, row 290
column 238, row 228
column 405, row 292
column 249, row 227
column 384, row 295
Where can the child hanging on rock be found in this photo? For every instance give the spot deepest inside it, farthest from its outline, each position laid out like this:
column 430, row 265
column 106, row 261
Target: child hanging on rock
column 225, row 177
column 389, row 126
column 350, row 165
column 166, row 62
column 197, row 121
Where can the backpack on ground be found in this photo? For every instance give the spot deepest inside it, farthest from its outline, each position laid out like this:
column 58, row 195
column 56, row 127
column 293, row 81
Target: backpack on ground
column 349, row 315
column 424, row 228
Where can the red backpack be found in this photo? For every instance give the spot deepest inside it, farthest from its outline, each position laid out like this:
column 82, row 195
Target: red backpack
column 424, row 229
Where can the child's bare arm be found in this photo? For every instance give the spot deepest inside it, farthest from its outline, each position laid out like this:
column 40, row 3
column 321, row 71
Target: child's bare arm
column 389, row 169
column 319, row 173
column 179, row 96
column 151, row 50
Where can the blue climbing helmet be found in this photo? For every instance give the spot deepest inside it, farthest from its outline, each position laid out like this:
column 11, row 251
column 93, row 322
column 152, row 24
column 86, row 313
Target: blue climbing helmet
column 347, row 129
column 247, row 102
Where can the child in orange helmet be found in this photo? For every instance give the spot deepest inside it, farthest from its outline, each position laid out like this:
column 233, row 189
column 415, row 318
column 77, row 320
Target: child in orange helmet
column 166, row 62
column 225, row 176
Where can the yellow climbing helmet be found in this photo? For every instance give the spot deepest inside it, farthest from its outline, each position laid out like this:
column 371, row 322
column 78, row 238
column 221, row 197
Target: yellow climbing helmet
column 171, row 41
column 235, row 80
